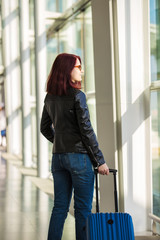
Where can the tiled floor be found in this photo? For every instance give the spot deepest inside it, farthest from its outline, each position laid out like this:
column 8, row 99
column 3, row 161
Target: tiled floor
column 24, row 209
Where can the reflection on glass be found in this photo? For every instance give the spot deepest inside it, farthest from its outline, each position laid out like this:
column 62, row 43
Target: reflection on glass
column 88, row 42
column 59, row 5
column 89, row 65
column 155, row 39
column 52, row 51
column 155, row 113
column 51, row 5
column 92, row 110
column 65, row 4
column 70, row 38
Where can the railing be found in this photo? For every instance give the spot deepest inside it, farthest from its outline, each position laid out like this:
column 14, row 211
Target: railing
column 154, row 224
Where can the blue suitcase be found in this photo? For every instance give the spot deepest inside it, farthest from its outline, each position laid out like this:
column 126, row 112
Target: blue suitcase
column 109, row 226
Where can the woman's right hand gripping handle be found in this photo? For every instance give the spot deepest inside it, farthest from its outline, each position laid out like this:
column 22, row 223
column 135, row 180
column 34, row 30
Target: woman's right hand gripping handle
column 103, row 169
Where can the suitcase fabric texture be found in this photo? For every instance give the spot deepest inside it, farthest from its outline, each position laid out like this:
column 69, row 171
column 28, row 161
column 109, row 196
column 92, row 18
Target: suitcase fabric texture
column 109, row 226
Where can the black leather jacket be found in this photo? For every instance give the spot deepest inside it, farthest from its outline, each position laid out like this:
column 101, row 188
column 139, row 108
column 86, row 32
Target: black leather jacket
column 72, row 131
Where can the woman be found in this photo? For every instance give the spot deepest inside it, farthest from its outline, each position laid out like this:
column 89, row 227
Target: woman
column 66, row 123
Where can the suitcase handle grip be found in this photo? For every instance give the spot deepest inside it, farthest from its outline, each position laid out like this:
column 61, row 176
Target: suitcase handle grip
column 114, row 171
column 111, row 170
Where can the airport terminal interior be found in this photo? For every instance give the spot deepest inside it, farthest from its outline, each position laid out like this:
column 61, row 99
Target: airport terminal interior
column 119, row 44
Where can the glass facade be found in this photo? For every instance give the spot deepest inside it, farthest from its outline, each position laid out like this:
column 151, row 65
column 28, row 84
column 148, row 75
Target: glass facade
column 52, row 51
column 155, row 39
column 155, row 113
column 76, row 37
column 51, row 5
column 59, row 5
column 88, row 46
column 155, row 101
column 71, row 38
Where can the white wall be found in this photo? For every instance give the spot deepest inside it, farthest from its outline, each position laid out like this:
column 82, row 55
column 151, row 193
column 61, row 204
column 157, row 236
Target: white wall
column 133, row 33
column 132, row 90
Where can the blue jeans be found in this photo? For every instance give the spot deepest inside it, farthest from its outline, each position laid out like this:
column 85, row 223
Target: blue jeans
column 71, row 171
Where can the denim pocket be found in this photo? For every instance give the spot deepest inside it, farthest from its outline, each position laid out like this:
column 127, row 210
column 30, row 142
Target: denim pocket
column 55, row 165
column 77, row 162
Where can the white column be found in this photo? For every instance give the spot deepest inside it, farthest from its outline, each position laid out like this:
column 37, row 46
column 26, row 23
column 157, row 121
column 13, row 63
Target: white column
column 104, row 95
column 40, row 58
column 132, row 113
column 12, row 77
column 25, row 82
column 14, row 68
column 134, row 50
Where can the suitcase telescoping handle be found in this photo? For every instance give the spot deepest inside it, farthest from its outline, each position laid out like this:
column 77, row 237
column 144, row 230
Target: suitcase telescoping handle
column 114, row 171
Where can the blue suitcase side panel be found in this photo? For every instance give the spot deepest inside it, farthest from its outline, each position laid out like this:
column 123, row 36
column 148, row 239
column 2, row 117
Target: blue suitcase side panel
column 110, row 226
column 116, row 226
column 96, row 227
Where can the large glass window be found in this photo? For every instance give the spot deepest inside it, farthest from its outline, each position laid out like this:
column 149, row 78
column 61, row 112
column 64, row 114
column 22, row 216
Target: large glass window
column 52, row 51
column 59, row 5
column 70, row 37
column 88, row 46
column 51, row 5
column 155, row 39
column 155, row 100
column 89, row 66
column 155, row 113
column 65, row 4
column 75, row 37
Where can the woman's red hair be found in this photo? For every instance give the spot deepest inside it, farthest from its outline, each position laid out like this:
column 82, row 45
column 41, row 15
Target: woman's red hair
column 59, row 79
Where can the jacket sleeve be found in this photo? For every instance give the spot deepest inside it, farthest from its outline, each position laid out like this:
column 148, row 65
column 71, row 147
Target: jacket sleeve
column 46, row 126
column 87, row 133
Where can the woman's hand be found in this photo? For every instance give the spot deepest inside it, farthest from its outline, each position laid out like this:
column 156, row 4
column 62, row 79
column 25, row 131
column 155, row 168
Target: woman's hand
column 103, row 169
